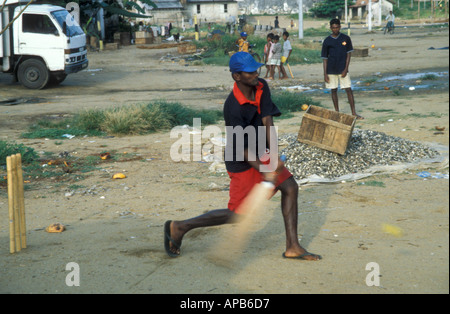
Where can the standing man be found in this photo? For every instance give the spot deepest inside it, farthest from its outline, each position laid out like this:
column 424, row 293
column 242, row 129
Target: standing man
column 390, row 18
column 336, row 54
column 277, row 23
column 249, row 106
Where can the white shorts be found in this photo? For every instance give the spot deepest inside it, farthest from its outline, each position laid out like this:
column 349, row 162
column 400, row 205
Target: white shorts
column 273, row 61
column 337, row 79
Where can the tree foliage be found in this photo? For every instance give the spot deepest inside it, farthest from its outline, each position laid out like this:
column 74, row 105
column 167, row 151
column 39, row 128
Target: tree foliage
column 329, row 8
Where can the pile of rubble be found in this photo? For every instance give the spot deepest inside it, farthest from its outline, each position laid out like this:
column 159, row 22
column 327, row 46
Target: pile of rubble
column 366, row 149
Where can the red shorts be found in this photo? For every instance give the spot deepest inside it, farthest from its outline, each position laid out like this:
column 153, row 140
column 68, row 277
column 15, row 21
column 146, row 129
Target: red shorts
column 242, row 183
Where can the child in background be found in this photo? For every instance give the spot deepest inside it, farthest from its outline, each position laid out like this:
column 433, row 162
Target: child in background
column 268, row 54
column 287, row 49
column 275, row 61
column 242, row 42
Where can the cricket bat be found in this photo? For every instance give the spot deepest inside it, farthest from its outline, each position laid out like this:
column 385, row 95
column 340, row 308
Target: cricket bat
column 290, row 71
column 233, row 243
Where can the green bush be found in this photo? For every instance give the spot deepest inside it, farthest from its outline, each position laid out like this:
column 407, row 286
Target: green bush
column 8, row 149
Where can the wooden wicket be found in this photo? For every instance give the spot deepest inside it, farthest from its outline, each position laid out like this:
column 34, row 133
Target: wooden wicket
column 16, row 204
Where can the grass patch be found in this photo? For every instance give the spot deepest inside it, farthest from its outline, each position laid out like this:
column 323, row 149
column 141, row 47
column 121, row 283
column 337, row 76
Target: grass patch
column 216, row 52
column 429, row 77
column 323, row 31
column 370, row 81
column 125, row 120
column 8, row 149
column 289, row 102
column 384, row 110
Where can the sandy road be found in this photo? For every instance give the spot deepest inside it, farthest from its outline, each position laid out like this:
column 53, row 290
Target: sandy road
column 114, row 228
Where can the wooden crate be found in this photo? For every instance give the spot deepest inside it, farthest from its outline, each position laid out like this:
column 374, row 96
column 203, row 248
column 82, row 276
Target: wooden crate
column 187, row 49
column 144, row 41
column 112, row 46
column 360, row 52
column 125, row 39
column 143, row 34
column 326, row 129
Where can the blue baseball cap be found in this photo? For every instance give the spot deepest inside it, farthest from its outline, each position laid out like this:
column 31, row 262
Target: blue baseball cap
column 243, row 62
column 243, row 34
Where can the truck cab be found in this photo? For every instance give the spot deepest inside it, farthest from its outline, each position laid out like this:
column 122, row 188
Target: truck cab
column 42, row 46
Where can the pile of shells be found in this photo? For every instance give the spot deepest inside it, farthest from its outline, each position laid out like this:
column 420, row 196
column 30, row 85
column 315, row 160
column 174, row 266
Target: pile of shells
column 365, row 149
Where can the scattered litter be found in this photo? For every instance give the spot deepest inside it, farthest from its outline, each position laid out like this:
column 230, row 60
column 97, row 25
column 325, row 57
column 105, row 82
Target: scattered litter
column 105, row 156
column 55, row 228
column 218, row 141
column 119, row 176
column 442, row 48
column 293, row 88
column 436, row 175
column 218, row 167
column 64, row 154
column 69, row 136
column 392, row 230
column 127, row 214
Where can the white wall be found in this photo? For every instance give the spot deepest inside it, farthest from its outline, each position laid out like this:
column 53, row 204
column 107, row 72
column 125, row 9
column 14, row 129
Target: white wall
column 213, row 12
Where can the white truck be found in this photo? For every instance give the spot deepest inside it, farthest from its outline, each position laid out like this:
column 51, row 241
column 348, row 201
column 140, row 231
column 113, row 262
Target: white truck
column 42, row 46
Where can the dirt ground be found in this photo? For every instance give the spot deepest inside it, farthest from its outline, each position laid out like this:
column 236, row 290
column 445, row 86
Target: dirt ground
column 115, row 227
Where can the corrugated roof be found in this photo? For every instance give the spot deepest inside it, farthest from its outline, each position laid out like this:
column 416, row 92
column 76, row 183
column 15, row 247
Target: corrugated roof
column 176, row 4
column 166, row 4
column 197, row 1
column 362, row 3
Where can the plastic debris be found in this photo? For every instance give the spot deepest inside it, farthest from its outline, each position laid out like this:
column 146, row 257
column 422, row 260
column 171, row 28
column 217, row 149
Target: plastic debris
column 55, row 228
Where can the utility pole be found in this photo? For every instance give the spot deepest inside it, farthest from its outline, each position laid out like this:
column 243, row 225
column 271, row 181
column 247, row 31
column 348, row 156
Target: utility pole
column 300, row 19
column 346, row 12
column 369, row 16
column 196, row 28
column 379, row 11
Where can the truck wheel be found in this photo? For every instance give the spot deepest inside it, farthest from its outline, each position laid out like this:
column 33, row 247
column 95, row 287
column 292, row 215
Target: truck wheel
column 33, row 73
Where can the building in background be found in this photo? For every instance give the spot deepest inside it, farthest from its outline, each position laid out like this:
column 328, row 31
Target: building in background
column 359, row 10
column 178, row 12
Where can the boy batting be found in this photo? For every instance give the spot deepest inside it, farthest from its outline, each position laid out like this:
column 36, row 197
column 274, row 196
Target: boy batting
column 248, row 107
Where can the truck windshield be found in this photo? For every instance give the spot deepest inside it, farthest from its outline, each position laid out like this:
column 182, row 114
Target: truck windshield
column 73, row 29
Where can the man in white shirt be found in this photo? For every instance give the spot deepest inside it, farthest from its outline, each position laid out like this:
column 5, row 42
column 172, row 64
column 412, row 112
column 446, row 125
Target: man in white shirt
column 390, row 18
